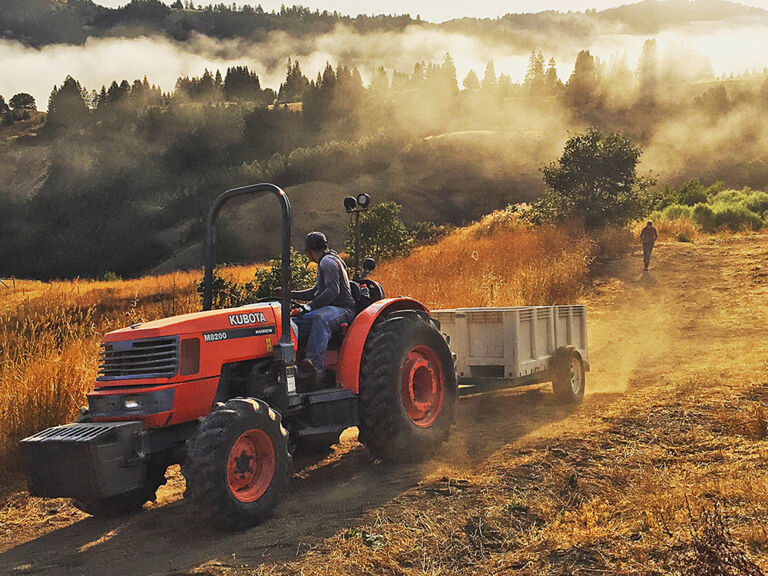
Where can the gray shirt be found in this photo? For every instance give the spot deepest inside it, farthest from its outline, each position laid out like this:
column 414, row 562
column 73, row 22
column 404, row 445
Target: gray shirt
column 332, row 288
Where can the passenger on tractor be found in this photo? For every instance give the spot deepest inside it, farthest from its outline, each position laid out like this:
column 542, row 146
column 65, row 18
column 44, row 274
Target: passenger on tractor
column 330, row 305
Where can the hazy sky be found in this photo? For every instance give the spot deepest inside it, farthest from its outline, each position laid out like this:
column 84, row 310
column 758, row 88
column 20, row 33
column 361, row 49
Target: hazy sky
column 436, row 10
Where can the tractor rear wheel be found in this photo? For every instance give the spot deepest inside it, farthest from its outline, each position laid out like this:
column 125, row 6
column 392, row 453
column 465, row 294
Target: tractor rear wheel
column 127, row 503
column 568, row 375
column 407, row 388
column 238, row 464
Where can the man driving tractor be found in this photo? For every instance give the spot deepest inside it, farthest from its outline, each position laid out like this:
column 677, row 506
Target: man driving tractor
column 330, row 305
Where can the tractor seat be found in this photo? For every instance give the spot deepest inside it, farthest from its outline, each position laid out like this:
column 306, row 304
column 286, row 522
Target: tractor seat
column 375, row 293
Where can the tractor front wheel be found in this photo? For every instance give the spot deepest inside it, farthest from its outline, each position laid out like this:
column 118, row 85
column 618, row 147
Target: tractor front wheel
column 238, row 464
column 407, row 388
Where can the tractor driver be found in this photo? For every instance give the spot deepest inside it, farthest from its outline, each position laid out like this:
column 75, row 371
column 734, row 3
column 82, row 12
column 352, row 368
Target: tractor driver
column 331, row 304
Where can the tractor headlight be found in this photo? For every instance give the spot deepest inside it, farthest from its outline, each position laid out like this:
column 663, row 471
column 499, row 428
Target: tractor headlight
column 350, row 203
column 132, row 404
column 363, row 200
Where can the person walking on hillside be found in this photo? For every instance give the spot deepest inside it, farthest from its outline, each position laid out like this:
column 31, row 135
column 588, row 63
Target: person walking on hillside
column 331, row 304
column 648, row 236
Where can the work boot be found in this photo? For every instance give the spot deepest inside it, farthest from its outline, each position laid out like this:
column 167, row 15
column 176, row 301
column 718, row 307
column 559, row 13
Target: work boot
column 307, row 375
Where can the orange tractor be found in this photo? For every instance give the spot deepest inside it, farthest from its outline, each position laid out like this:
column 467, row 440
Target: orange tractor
column 217, row 392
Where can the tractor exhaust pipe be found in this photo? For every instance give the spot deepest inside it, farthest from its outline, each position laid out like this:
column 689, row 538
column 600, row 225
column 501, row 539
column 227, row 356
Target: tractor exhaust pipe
column 284, row 349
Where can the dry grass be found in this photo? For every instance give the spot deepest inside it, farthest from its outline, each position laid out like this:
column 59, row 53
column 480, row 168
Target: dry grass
column 498, row 261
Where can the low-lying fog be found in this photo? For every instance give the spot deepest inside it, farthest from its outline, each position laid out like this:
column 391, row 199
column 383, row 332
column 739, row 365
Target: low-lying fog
column 732, row 48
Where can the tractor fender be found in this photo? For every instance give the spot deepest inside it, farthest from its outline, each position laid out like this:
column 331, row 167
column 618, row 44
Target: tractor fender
column 351, row 352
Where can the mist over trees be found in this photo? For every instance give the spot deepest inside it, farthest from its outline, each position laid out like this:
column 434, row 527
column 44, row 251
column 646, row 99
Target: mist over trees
column 121, row 175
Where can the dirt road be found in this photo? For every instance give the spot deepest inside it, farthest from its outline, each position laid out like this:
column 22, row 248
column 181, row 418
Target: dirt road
column 673, row 413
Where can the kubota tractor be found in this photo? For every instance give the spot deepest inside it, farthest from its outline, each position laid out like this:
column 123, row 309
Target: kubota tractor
column 217, row 392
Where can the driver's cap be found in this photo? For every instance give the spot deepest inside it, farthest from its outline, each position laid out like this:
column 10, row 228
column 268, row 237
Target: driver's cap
column 316, row 241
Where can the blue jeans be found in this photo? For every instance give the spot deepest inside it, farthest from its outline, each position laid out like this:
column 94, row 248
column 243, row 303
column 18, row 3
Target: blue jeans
column 318, row 325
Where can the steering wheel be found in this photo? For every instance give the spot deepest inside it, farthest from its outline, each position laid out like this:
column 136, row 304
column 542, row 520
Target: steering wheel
column 294, row 303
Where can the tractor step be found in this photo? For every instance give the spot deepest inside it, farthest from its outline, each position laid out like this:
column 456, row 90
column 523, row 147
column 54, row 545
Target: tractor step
column 86, row 461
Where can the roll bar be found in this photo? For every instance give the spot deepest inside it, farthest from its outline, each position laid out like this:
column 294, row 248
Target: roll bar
column 284, row 351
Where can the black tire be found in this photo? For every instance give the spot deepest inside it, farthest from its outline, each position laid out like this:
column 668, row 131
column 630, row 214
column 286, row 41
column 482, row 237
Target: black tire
column 127, row 503
column 568, row 375
column 386, row 427
column 212, row 487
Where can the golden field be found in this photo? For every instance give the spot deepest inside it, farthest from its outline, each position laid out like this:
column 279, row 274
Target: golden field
column 662, row 469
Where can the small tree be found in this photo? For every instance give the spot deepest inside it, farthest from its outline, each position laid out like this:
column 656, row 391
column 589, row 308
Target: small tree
column 23, row 101
column 228, row 293
column 382, row 233
column 596, row 181
column 5, row 112
column 267, row 279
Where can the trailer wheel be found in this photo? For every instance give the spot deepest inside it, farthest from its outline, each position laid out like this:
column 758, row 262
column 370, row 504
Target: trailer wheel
column 407, row 388
column 238, row 464
column 127, row 503
column 568, row 375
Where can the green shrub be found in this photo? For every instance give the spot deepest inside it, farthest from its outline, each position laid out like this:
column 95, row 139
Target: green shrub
column 691, row 193
column 704, row 216
column 676, row 211
column 429, row 232
column 109, row 277
column 756, row 201
column 736, row 218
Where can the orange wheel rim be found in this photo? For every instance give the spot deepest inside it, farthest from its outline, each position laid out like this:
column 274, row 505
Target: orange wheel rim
column 423, row 386
column 251, row 465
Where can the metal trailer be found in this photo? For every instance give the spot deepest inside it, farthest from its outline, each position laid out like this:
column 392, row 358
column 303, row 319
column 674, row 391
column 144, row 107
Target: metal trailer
column 517, row 346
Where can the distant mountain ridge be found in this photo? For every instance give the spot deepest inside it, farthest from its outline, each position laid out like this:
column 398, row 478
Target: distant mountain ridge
column 42, row 22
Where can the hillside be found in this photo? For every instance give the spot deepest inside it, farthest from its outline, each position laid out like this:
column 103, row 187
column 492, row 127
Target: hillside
column 453, row 178
column 670, row 439
column 42, row 22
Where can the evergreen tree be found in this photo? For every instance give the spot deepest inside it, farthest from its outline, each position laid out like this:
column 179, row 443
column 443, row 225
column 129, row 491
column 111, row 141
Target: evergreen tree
column 67, row 105
column 489, row 77
column 292, row 90
column 581, row 89
column 552, row 83
column 534, row 77
column 380, row 81
column 447, row 75
column 471, row 83
column 648, row 71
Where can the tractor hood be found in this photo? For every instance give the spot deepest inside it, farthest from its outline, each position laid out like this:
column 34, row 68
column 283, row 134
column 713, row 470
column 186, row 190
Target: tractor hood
column 250, row 316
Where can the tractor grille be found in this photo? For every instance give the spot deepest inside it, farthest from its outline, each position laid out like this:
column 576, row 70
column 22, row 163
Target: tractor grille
column 146, row 358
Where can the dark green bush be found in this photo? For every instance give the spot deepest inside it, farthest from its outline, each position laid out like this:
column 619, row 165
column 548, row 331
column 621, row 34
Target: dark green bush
column 704, row 216
column 736, row 218
column 429, row 232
